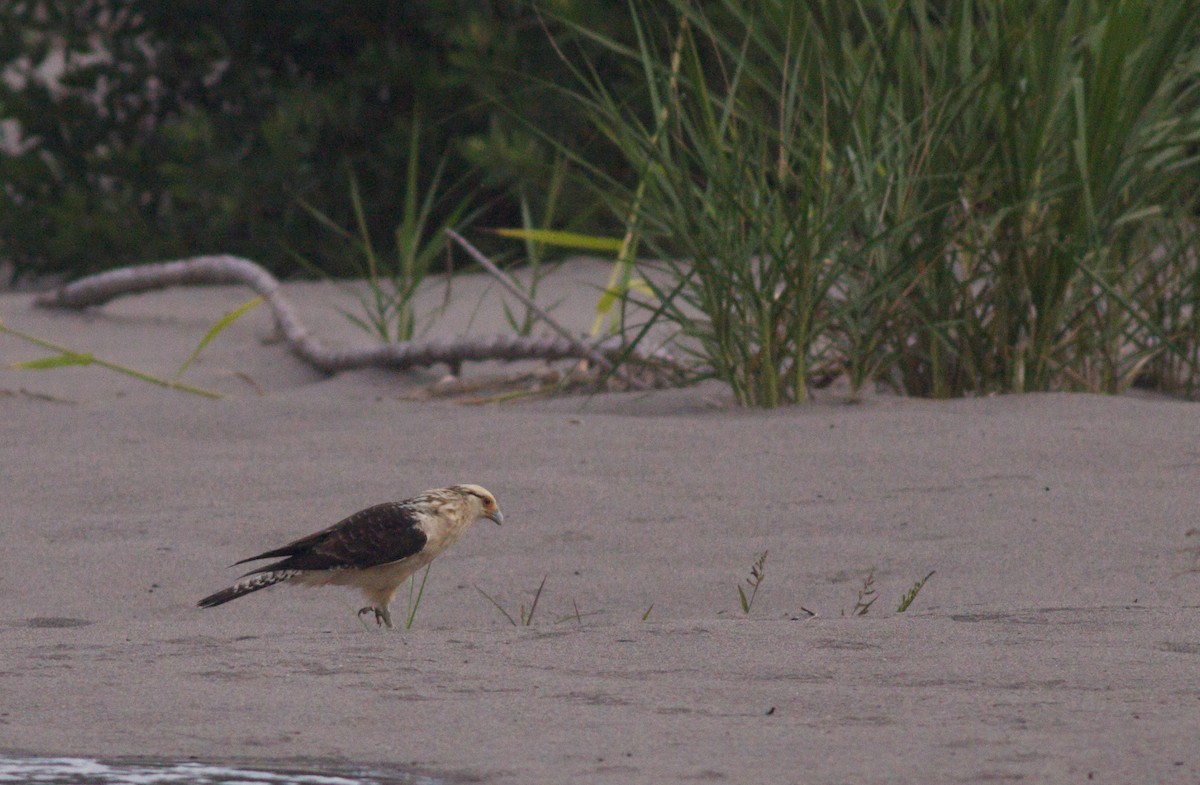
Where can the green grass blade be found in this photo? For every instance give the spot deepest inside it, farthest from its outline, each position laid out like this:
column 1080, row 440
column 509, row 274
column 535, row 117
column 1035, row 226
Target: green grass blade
column 222, row 323
column 532, row 608
column 497, row 606
column 57, row 361
column 414, row 604
column 562, row 239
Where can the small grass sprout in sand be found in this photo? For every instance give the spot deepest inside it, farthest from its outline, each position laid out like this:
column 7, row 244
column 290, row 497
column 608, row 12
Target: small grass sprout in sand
column 526, row 617
column 758, row 573
column 866, row 595
column 912, row 593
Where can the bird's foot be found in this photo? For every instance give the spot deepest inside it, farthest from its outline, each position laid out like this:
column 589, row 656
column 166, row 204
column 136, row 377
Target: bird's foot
column 382, row 617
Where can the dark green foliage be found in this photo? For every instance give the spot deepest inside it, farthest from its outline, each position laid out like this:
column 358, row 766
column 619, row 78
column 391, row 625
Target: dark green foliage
column 210, row 123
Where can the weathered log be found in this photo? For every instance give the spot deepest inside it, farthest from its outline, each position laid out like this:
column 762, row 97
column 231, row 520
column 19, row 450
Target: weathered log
column 98, row 289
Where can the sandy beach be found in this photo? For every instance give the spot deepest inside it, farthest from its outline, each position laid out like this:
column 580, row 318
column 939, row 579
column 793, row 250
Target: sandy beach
column 1058, row 639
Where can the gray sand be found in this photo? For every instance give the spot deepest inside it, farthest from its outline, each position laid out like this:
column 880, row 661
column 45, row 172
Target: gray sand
column 1058, row 641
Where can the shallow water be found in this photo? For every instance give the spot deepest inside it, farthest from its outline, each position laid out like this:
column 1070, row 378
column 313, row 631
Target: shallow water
column 86, row 771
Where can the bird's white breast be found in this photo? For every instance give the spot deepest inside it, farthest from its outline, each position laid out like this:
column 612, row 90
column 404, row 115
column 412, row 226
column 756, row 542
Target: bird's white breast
column 442, row 530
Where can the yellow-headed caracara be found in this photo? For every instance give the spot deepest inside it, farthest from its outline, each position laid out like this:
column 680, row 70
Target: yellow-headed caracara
column 375, row 549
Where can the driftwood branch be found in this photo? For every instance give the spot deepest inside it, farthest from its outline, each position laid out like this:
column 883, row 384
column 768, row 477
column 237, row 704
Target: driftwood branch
column 99, row 289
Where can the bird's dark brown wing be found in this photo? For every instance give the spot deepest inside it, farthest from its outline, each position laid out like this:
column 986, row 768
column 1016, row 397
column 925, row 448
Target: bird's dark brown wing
column 377, row 535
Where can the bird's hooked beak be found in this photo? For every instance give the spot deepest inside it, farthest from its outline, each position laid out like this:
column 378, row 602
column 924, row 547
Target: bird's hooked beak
column 496, row 516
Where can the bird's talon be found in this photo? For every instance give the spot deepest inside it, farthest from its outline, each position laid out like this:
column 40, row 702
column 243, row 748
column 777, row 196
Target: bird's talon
column 370, row 609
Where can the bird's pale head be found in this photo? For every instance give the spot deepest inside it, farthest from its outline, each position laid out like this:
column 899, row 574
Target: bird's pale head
column 480, row 501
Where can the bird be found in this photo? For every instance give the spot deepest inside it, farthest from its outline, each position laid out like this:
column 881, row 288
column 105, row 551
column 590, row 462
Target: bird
column 375, row 549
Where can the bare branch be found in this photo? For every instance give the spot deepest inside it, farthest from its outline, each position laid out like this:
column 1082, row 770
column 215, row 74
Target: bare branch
column 99, row 289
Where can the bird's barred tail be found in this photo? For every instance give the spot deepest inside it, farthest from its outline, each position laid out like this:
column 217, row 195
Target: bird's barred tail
column 248, row 584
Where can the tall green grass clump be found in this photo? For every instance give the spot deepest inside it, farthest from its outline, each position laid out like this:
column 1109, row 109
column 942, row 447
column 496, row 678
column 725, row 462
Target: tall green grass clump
column 738, row 184
column 953, row 198
column 1074, row 155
